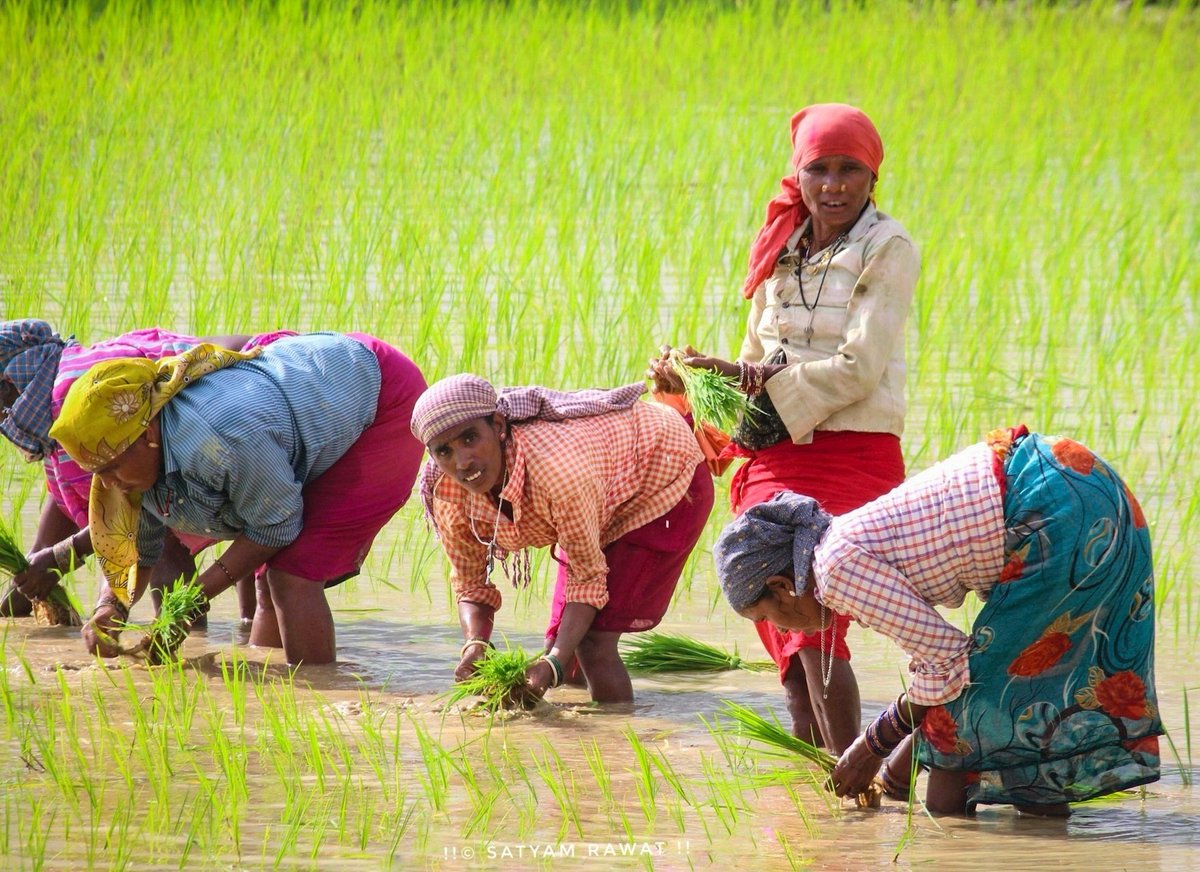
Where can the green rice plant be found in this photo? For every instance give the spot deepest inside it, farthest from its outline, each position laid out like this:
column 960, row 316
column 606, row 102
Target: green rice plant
column 714, row 398
column 646, row 781
column 772, row 739
column 561, row 781
column 498, row 679
column 663, row 652
column 595, row 761
column 60, row 608
column 181, row 603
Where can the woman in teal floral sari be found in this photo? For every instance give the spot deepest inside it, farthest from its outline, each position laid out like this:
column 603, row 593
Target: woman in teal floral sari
column 1050, row 699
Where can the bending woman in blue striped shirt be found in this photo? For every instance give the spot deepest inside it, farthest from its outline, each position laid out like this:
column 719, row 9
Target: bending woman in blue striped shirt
column 299, row 454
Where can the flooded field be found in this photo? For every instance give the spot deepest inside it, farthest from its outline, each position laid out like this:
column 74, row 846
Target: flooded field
column 231, row 761
column 545, row 192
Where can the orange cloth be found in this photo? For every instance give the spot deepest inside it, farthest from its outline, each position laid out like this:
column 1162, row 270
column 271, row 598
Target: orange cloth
column 712, row 441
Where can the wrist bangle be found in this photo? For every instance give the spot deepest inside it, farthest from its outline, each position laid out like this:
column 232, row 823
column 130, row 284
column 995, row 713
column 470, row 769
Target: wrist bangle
column 556, row 669
column 225, row 569
column 894, row 719
column 64, row 555
column 470, row 643
column 875, row 742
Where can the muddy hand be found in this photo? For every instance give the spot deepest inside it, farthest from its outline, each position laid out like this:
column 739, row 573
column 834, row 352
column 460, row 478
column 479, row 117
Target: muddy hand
column 855, row 769
column 101, row 632
column 39, row 578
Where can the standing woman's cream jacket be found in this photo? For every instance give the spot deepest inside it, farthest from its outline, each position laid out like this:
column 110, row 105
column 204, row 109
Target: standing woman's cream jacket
column 848, row 369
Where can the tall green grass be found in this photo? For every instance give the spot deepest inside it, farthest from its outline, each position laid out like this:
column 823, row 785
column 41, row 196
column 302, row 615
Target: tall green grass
column 465, row 182
column 546, row 192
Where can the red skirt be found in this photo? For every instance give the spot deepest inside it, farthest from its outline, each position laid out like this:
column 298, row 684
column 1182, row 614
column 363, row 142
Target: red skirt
column 840, row 469
column 349, row 503
column 644, row 565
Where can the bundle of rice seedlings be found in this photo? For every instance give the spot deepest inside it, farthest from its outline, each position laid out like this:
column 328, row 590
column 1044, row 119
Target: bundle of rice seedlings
column 662, row 652
column 775, row 741
column 59, row 608
column 497, row 680
column 181, row 604
column 714, row 398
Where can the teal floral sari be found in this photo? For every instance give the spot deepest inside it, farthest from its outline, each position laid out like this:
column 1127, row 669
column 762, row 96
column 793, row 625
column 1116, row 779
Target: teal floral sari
column 1061, row 706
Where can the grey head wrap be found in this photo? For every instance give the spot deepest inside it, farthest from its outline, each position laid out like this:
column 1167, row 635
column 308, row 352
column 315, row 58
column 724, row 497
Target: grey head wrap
column 29, row 355
column 771, row 538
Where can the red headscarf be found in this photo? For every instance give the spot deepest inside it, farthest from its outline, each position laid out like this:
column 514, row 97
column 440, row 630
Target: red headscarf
column 819, row 130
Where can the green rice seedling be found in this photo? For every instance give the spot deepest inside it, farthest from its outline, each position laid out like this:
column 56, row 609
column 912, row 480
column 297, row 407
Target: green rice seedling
column 561, row 782
column 771, row 736
column 1187, row 730
column 794, row 859
column 663, row 652
column 181, row 603
column 774, row 740
column 1185, row 774
column 498, row 679
column 714, row 398
column 595, row 761
column 60, row 608
column 646, row 781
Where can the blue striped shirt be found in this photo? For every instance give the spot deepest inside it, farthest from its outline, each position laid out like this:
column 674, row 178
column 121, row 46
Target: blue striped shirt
column 240, row 444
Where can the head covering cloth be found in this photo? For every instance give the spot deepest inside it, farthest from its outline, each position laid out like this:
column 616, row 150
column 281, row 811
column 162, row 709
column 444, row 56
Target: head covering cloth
column 820, row 130
column 771, row 538
column 108, row 409
column 455, row 400
column 29, row 355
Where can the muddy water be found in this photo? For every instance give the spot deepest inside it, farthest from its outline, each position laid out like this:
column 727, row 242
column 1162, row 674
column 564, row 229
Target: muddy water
column 397, row 648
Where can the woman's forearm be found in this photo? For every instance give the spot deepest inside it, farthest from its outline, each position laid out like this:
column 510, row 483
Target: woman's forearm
column 239, row 559
column 576, row 621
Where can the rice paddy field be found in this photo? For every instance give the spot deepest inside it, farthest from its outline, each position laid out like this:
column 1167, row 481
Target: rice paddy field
column 546, row 192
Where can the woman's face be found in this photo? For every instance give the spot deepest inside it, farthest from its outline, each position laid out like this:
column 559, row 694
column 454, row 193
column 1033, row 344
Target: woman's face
column 472, row 454
column 787, row 610
column 835, row 189
column 138, row 467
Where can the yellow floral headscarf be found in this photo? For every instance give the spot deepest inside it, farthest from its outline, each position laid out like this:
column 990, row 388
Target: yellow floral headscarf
column 108, row 409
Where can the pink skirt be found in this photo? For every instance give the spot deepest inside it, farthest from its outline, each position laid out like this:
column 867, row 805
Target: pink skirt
column 644, row 565
column 347, row 506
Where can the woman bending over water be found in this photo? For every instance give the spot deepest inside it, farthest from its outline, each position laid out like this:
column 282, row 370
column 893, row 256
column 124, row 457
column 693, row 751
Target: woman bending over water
column 617, row 485
column 1051, row 698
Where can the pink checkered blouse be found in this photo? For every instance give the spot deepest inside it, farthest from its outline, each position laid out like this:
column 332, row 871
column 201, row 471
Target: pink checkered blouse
column 925, row 544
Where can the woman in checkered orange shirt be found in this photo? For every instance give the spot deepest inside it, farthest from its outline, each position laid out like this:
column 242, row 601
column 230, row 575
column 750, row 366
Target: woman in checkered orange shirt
column 616, row 486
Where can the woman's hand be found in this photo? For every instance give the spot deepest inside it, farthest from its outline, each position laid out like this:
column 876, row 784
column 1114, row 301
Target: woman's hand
column 466, row 667
column 41, row 576
column 539, row 678
column 666, row 380
column 854, row 770
column 101, row 632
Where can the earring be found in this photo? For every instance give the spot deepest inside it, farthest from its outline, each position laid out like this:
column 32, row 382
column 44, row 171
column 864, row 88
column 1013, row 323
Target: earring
column 791, row 593
column 153, row 444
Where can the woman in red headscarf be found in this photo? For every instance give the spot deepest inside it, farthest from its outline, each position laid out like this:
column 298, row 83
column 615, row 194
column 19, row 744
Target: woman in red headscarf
column 830, row 282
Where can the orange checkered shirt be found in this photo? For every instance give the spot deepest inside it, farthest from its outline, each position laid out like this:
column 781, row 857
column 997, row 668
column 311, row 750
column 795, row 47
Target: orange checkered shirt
column 580, row 484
